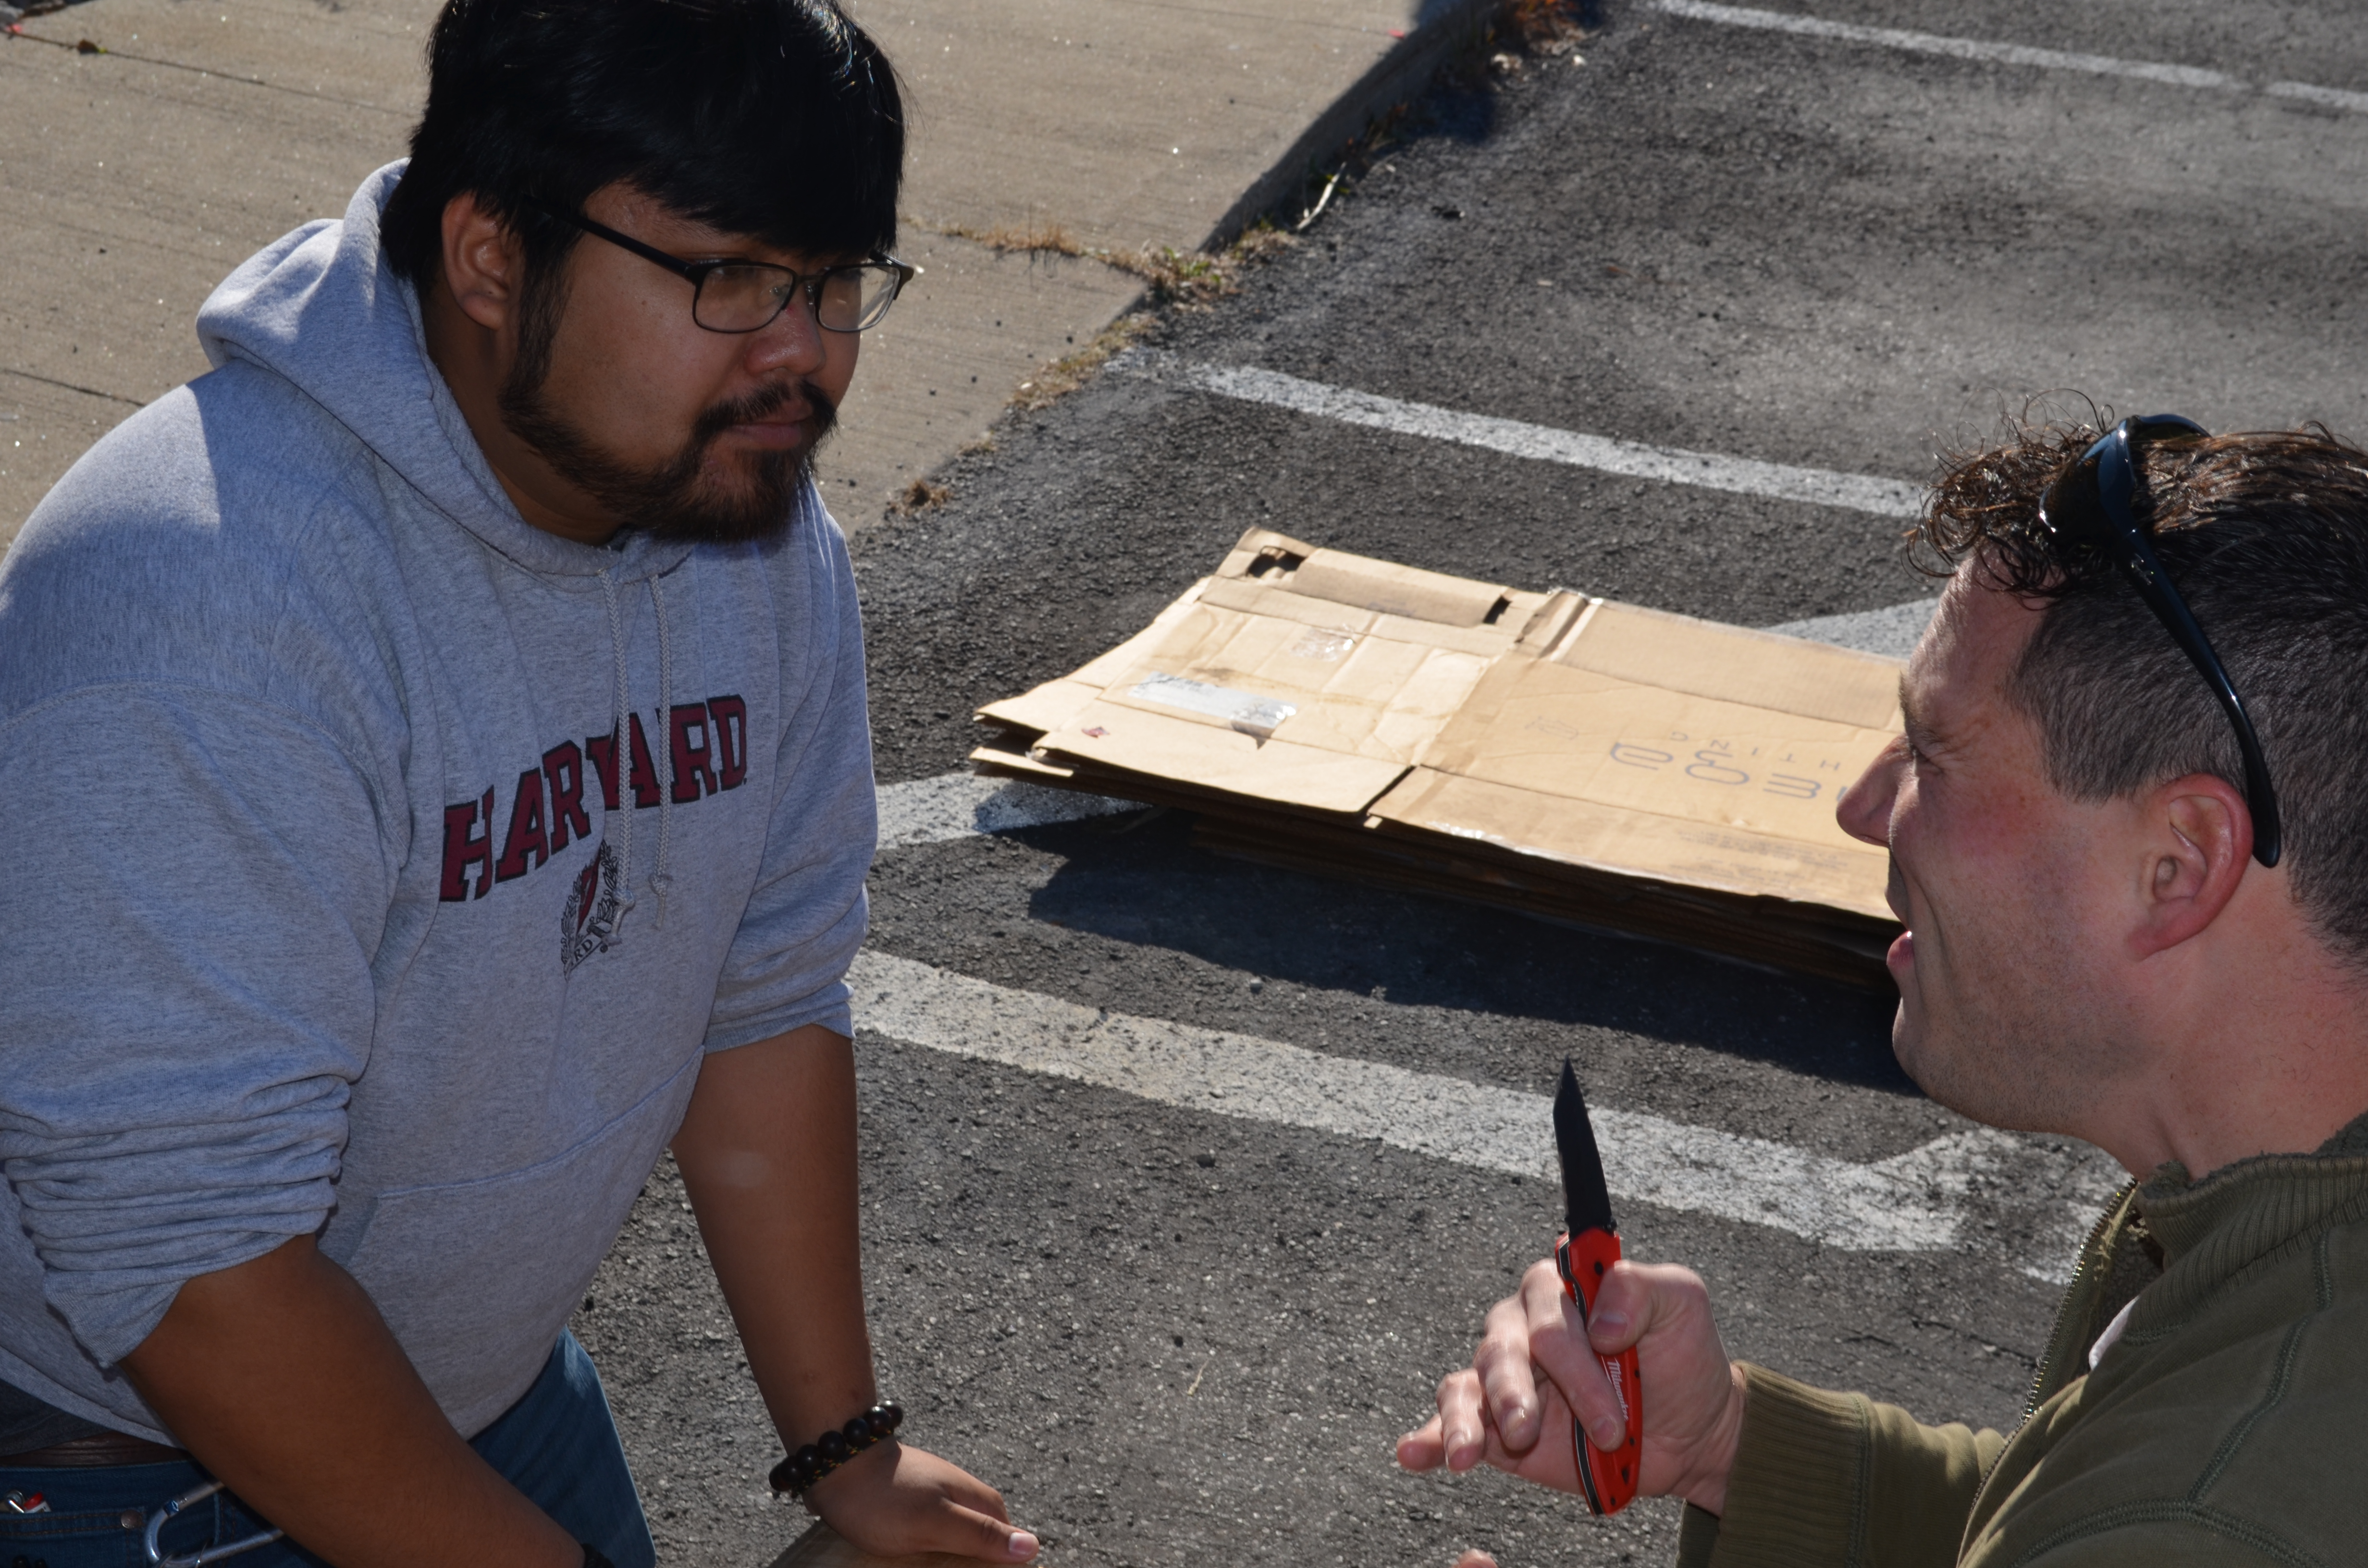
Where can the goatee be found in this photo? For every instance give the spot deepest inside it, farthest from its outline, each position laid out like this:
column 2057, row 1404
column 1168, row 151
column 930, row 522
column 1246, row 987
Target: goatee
column 680, row 498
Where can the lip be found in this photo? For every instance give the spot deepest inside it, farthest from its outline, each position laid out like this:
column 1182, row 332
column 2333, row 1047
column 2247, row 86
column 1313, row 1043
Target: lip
column 1901, row 955
column 790, row 426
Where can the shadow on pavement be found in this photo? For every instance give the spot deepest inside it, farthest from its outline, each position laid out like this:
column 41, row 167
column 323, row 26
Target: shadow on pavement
column 1149, row 887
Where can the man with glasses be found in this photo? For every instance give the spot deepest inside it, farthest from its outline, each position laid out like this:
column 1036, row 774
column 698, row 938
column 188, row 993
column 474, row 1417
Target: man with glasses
column 438, row 783
column 2128, row 825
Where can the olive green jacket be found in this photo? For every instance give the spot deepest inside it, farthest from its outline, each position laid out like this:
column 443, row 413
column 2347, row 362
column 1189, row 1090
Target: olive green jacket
column 2227, row 1426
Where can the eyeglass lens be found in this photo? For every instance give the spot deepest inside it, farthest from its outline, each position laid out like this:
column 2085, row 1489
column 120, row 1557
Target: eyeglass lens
column 745, row 298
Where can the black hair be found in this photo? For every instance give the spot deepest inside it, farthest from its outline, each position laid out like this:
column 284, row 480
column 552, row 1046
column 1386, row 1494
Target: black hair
column 2266, row 535
column 779, row 119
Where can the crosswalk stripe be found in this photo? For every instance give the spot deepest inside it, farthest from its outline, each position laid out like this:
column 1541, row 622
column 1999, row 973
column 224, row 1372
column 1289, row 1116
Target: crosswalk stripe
column 1912, row 1202
column 956, row 805
column 1540, row 443
column 2004, row 53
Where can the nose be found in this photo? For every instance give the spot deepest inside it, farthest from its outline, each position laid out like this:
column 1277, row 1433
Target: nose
column 1864, row 810
column 791, row 342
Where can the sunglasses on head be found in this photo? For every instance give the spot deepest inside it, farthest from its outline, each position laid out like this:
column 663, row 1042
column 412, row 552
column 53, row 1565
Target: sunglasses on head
column 2090, row 504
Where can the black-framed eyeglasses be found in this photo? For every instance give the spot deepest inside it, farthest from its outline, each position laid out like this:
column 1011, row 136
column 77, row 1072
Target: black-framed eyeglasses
column 2092, row 504
column 749, row 296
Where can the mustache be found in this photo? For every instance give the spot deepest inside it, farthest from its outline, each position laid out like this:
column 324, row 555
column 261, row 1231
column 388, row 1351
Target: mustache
column 763, row 403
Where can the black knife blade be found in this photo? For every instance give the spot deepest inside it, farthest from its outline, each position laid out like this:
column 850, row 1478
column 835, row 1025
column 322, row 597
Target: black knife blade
column 1586, row 1201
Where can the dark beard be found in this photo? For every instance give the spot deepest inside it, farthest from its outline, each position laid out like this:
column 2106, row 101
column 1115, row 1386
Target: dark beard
column 670, row 500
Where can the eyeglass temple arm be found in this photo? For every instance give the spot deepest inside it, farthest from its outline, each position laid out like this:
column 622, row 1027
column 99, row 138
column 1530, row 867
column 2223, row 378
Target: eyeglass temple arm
column 2146, row 574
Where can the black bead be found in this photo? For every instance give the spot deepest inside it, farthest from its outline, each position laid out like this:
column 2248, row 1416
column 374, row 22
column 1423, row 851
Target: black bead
column 859, row 1434
column 892, row 1414
column 833, row 1446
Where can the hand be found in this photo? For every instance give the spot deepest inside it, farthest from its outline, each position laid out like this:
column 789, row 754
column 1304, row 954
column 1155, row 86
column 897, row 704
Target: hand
column 1495, row 1410
column 892, row 1501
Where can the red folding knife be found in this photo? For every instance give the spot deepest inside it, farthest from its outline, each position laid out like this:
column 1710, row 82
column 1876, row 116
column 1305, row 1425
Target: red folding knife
column 1588, row 1247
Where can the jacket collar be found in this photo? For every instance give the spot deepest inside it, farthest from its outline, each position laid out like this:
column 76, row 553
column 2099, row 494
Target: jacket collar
column 2212, row 1230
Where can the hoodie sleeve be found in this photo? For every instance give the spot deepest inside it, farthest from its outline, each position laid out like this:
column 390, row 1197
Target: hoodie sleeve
column 193, row 889
column 807, row 916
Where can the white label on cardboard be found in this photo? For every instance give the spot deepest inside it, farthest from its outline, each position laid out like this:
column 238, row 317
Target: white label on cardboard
column 1244, row 710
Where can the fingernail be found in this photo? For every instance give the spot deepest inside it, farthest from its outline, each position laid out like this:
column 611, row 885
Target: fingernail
column 1513, row 1414
column 1609, row 1432
column 1022, row 1547
column 1610, row 1323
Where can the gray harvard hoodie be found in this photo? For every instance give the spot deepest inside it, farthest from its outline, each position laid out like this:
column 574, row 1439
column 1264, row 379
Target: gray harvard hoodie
column 378, row 866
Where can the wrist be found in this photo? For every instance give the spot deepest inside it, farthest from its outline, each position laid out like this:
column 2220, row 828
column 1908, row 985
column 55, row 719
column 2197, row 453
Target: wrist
column 1706, row 1489
column 851, row 1476
column 809, row 1465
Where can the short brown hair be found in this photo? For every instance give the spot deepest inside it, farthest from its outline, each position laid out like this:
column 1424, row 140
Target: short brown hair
column 2266, row 535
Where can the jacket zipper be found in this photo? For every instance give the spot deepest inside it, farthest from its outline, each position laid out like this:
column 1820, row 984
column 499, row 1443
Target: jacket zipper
column 2064, row 1308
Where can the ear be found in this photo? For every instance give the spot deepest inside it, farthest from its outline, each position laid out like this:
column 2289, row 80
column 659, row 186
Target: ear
column 2199, row 842
column 483, row 263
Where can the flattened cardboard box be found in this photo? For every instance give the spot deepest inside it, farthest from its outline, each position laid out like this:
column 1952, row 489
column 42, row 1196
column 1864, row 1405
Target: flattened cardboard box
column 1579, row 758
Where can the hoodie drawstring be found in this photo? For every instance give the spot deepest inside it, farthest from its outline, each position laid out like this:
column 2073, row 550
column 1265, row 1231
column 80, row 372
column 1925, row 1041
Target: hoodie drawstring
column 619, row 762
column 620, row 756
column 662, row 881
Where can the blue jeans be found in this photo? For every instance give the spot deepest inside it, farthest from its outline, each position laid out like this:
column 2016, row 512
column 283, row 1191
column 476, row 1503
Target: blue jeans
column 558, row 1445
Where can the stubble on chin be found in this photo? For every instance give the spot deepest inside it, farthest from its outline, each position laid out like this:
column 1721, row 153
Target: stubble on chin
column 2012, row 1050
column 687, row 497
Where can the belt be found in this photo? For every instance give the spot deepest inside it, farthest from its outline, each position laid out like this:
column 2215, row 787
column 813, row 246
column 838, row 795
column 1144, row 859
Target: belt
column 98, row 1449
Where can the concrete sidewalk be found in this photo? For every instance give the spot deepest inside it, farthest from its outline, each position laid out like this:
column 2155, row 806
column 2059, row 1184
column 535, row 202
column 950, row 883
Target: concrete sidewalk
column 135, row 176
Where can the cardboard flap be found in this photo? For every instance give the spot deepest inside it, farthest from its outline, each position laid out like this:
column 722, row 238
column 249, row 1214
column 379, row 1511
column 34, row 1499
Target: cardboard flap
column 1576, row 734
column 1356, row 692
column 1389, row 589
column 1261, row 550
column 1639, row 844
column 1760, row 669
column 1211, row 756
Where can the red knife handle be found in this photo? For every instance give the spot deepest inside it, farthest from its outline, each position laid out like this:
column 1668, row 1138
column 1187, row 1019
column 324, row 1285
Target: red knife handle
column 1608, row 1477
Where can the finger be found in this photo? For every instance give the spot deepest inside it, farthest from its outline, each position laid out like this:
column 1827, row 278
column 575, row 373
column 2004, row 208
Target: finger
column 1475, row 1558
column 1555, row 1337
column 1503, row 1364
column 960, row 1488
column 965, row 1532
column 1627, row 1305
column 1422, row 1448
column 1462, row 1421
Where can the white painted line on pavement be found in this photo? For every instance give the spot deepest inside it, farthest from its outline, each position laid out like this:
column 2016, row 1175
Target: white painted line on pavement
column 1909, row 1203
column 1542, row 443
column 2002, row 53
column 2333, row 98
column 956, row 805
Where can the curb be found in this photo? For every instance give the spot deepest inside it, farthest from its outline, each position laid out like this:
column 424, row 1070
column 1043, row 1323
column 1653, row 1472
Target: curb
column 1399, row 74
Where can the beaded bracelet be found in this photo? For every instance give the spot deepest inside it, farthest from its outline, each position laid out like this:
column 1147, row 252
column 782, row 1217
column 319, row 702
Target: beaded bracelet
column 827, row 1452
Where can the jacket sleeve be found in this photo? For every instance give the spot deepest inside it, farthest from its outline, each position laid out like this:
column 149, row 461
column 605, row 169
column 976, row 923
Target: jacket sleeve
column 808, row 913
column 1822, row 1478
column 194, row 885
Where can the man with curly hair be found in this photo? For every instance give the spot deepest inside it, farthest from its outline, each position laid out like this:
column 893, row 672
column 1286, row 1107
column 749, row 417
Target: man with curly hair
column 2128, row 826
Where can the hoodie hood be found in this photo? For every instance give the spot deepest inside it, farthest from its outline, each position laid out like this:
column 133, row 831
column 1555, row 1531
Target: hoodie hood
column 321, row 309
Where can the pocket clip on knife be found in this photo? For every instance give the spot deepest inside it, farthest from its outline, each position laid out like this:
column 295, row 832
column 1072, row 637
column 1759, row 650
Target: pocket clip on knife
column 1588, row 1247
